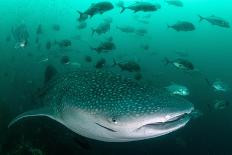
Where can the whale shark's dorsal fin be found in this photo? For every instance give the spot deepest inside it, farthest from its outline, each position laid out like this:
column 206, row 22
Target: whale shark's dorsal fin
column 44, row 112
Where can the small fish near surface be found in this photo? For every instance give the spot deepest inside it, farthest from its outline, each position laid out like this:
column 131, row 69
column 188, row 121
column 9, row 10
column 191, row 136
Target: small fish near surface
column 221, row 104
column 20, row 35
column 176, row 89
column 141, row 31
column 183, row 26
column 216, row 21
column 64, row 43
column 143, row 21
column 140, row 6
column 101, row 28
column 130, row 66
column 126, row 29
column 94, row 9
column 182, row 64
column 106, row 46
column 107, row 107
column 177, row 3
column 220, row 86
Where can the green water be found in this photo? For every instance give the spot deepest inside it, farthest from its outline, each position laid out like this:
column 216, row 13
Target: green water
column 209, row 48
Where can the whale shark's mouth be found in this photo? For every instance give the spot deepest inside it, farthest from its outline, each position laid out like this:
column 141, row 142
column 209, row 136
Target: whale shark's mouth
column 174, row 122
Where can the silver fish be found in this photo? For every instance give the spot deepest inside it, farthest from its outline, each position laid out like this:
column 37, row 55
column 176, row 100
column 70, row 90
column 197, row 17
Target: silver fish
column 220, row 86
column 21, row 36
column 177, row 89
column 141, row 6
column 216, row 21
column 182, row 64
column 126, row 29
column 95, row 8
column 182, row 26
column 101, row 28
column 177, row 3
column 107, row 107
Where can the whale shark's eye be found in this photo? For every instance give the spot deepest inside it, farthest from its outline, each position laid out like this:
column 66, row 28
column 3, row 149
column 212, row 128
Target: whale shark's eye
column 114, row 121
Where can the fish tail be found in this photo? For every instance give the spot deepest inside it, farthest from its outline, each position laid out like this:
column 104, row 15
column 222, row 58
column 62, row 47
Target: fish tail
column 121, row 5
column 123, row 9
column 168, row 26
column 81, row 18
column 201, row 18
column 114, row 62
column 81, row 13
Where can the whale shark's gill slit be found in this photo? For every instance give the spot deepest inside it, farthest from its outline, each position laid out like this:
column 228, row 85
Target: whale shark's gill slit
column 106, row 128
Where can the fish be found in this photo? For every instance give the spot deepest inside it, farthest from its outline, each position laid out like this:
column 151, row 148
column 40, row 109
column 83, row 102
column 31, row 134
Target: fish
column 56, row 27
column 82, row 25
column 94, row 9
column 141, row 31
column 43, row 60
column 101, row 28
column 64, row 43
column 65, row 60
column 140, row 6
column 105, row 106
column 177, row 3
column 106, row 46
column 221, row 104
column 100, row 63
column 176, row 89
column 130, row 66
column 20, row 35
column 220, row 86
column 214, row 20
column 181, row 53
column 126, row 29
column 48, row 45
column 143, row 21
column 182, row 64
column 145, row 47
column 182, row 26
column 21, row 44
column 39, row 29
column 88, row 58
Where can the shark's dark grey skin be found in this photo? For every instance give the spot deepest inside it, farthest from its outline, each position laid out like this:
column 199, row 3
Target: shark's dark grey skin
column 107, row 107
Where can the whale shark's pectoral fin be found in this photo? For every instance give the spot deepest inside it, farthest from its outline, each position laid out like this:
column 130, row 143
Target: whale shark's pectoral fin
column 43, row 112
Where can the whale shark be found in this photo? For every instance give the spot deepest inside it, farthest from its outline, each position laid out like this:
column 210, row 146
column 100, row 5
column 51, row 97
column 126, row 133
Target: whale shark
column 105, row 106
